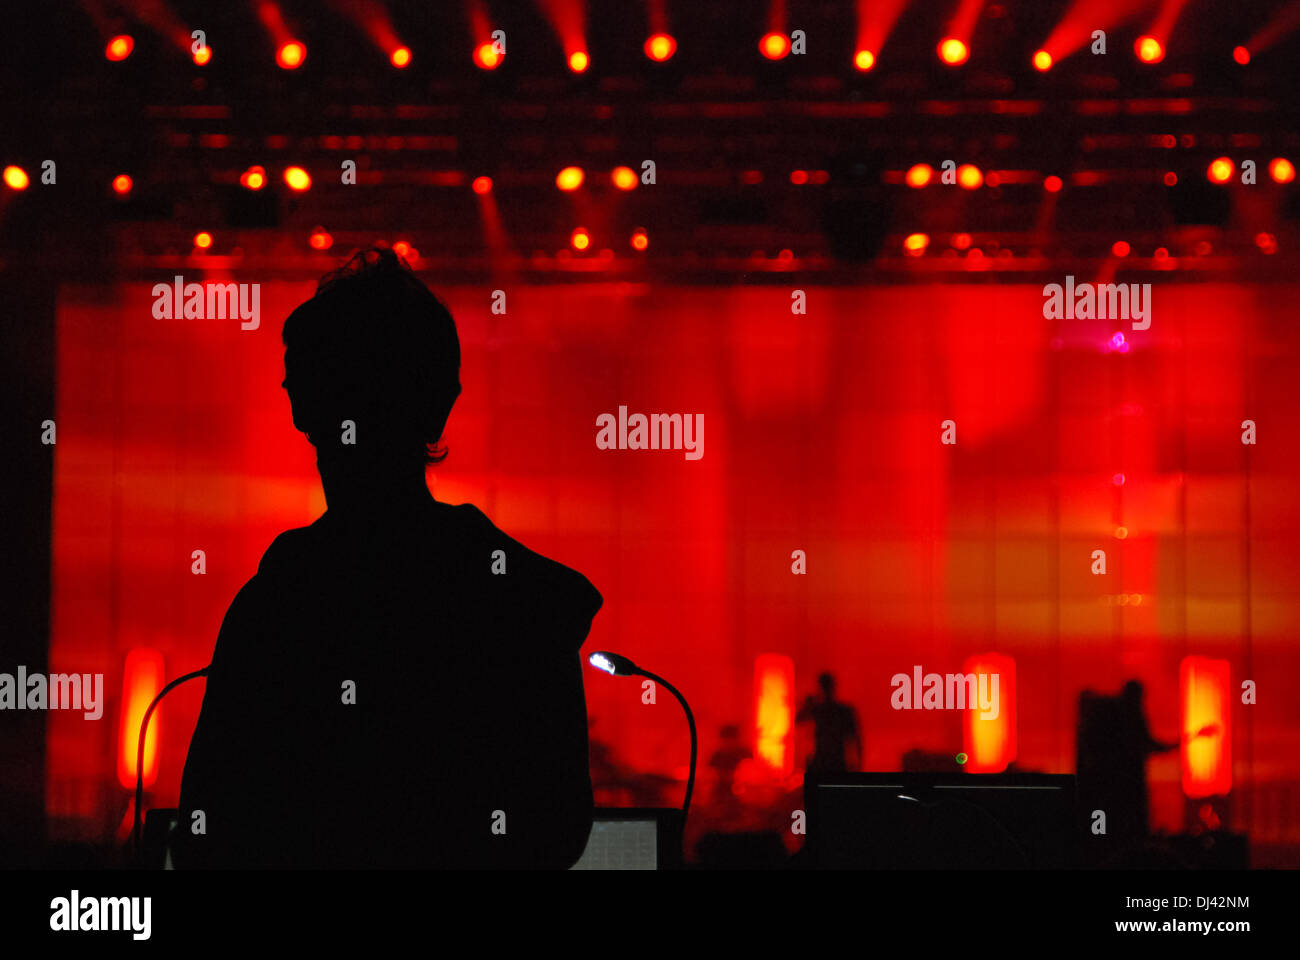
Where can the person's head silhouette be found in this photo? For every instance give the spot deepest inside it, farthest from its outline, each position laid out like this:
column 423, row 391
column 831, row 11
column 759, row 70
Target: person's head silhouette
column 372, row 368
column 827, row 682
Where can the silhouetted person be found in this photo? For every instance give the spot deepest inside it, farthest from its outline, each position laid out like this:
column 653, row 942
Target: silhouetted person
column 399, row 685
column 726, row 759
column 835, row 728
column 1113, row 746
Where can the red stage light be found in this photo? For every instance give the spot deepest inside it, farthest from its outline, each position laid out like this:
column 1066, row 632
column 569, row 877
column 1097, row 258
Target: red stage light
column 16, row 178
column 1206, row 709
column 774, row 46
column 142, row 678
column 969, row 176
column 961, row 241
column 320, row 240
column 1042, row 61
column 989, row 736
column 119, row 48
column 402, row 249
column 953, row 52
column 1281, row 170
column 1121, row 533
column 1220, row 170
column 774, row 712
column 254, row 178
column 1171, row 179
column 579, row 61
column 202, row 56
column 1241, row 55
column 1052, row 184
column 570, row 178
column 864, row 60
column 486, row 57
column 297, row 179
column 122, row 184
column 624, row 178
column 1120, row 248
column 203, row 240
column 798, row 177
column 1266, row 242
column 914, row 244
column 1149, row 50
column 291, row 55
column 919, row 175
column 400, row 58
column 482, row 185
column 660, row 47
column 639, row 240
column 580, row 239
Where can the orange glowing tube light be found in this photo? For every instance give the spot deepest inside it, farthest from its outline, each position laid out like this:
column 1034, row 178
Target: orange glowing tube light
column 1206, row 755
column 142, row 678
column 989, row 736
column 774, row 711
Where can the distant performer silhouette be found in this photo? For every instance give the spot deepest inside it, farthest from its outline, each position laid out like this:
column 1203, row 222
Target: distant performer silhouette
column 835, row 729
column 1113, row 745
column 399, row 685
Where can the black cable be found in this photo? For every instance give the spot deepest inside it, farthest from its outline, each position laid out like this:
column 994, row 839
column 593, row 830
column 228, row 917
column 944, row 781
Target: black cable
column 139, row 755
column 690, row 720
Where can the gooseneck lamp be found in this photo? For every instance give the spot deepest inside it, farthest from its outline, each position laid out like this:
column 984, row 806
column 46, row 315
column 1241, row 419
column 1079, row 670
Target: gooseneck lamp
column 620, row 666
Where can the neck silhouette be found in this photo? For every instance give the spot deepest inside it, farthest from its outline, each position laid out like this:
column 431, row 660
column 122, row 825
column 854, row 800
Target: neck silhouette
column 372, row 488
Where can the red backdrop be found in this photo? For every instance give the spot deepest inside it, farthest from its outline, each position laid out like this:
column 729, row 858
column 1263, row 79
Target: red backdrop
column 821, row 434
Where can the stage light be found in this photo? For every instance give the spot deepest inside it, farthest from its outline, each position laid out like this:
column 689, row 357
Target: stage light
column 1120, row 248
column 1052, row 184
column 989, row 738
column 203, row 240
column 864, row 60
column 660, row 47
column 400, row 58
column 1170, row 178
column 405, row 250
column 202, row 56
column 961, row 241
column 486, row 56
column 297, row 179
column 1206, row 713
column 579, row 61
column 580, row 239
column 142, row 678
column 1266, row 242
column 1241, row 55
column 1121, row 533
column 953, row 52
column 1220, row 170
column 624, row 178
column 774, row 46
column 774, row 712
column 969, row 176
column 798, row 177
column 918, row 175
column 254, row 178
column 119, row 48
column 570, row 178
column 914, row 244
column 122, row 184
column 1042, row 61
column 16, row 178
column 1281, row 170
column 320, row 240
column 639, row 239
column 1149, row 50
column 482, row 185
column 290, row 55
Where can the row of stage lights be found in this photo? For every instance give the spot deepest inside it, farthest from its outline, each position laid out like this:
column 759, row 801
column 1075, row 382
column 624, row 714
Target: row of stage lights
column 970, row 177
column 291, row 54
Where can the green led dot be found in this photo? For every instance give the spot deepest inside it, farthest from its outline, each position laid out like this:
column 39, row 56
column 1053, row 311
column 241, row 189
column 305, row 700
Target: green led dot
column 961, row 758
